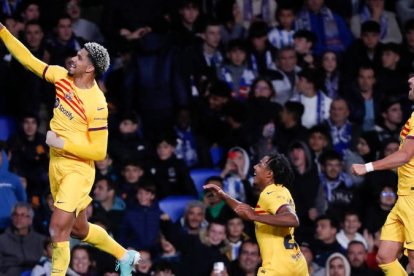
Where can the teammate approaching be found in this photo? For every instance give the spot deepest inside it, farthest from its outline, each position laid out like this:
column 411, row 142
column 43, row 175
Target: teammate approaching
column 274, row 217
column 79, row 136
column 398, row 230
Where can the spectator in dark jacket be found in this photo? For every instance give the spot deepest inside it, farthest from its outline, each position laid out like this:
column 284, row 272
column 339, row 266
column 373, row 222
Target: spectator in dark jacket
column 170, row 174
column 108, row 204
column 20, row 246
column 140, row 226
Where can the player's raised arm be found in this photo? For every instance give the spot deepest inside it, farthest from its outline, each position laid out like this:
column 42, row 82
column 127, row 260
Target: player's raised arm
column 21, row 53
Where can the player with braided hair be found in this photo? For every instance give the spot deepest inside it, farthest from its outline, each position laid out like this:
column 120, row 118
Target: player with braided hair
column 274, row 217
column 78, row 137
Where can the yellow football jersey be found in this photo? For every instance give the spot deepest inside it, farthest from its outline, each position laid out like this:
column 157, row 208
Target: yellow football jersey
column 77, row 113
column 278, row 248
column 406, row 171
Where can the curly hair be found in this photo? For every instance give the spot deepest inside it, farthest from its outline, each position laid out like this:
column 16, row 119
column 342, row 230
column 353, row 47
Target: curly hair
column 99, row 57
column 282, row 171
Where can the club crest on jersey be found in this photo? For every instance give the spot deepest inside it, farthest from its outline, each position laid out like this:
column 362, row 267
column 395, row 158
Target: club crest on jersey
column 69, row 96
column 57, row 101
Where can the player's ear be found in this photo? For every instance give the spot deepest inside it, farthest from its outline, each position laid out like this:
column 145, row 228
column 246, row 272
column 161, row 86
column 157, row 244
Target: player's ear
column 90, row 68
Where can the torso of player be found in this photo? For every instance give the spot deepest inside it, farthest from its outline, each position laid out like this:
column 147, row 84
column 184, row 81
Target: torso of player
column 275, row 241
column 406, row 171
column 74, row 109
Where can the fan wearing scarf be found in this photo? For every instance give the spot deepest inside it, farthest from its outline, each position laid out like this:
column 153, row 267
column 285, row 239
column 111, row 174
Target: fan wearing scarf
column 331, row 30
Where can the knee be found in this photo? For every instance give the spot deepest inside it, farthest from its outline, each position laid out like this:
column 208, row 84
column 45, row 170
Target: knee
column 57, row 230
column 383, row 258
column 79, row 231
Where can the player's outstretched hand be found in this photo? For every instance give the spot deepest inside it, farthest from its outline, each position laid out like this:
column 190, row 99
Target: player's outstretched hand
column 358, row 169
column 215, row 189
column 245, row 211
column 53, row 140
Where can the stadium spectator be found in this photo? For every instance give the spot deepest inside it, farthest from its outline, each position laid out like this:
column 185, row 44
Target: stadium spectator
column 374, row 10
column 351, row 224
column 357, row 256
column 282, row 35
column 140, row 225
column 193, row 220
column 44, row 265
column 248, row 260
column 337, row 265
column 389, row 123
column 331, row 30
column 20, row 246
column 331, row 74
column 107, row 204
column 11, row 191
column 316, row 103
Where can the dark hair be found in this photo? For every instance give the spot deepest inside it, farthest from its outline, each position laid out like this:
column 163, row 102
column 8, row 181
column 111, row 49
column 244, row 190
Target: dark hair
column 210, row 22
column 391, row 46
column 370, row 27
column 409, row 25
column 237, row 44
column 219, row 88
column 169, row 136
column 312, row 76
column 111, row 184
column 258, row 29
column 356, row 242
column 329, row 155
column 306, row 34
column 132, row 162
column 333, row 221
column 282, row 171
column 214, row 178
column 320, row 129
column 147, row 185
column 237, row 111
column 296, row 109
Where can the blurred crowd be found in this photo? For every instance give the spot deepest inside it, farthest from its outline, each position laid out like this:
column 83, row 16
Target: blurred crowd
column 213, row 85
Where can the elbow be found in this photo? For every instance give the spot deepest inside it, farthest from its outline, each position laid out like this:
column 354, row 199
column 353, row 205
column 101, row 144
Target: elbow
column 100, row 155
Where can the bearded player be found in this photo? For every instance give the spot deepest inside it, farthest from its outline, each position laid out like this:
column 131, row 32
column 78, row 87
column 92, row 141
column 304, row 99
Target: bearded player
column 78, row 137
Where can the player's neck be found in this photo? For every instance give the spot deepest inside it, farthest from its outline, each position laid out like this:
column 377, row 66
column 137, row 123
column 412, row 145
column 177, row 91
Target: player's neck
column 84, row 81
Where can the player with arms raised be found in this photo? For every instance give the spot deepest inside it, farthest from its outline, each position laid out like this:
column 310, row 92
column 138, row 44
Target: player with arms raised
column 398, row 230
column 78, row 137
column 274, row 217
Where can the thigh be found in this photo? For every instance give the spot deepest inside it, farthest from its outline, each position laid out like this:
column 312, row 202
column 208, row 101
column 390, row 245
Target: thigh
column 407, row 218
column 388, row 251
column 74, row 189
column 393, row 229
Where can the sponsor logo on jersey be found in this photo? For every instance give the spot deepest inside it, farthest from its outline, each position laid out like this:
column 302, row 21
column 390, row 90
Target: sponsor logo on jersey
column 65, row 112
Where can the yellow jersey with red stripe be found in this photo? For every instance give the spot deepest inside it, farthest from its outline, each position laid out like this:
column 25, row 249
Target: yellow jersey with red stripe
column 278, row 249
column 406, row 171
column 78, row 113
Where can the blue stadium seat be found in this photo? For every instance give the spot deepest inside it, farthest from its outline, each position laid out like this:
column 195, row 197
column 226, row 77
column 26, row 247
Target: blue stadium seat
column 174, row 206
column 199, row 176
column 26, row 273
column 216, row 154
column 7, row 127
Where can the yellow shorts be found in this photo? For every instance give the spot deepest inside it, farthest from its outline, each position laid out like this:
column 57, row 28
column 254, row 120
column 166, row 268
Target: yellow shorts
column 286, row 267
column 399, row 225
column 71, row 182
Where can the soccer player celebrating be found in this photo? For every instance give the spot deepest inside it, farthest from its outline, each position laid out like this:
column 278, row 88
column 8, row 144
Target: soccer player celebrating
column 78, row 137
column 274, row 217
column 398, row 230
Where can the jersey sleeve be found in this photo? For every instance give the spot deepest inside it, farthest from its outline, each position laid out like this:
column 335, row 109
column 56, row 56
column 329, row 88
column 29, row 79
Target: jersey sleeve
column 273, row 201
column 21, row 53
column 28, row 60
column 54, row 73
column 97, row 134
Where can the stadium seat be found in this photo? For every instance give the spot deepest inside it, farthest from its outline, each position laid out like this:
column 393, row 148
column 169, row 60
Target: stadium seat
column 26, row 273
column 216, row 154
column 174, row 206
column 199, row 176
column 7, row 127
